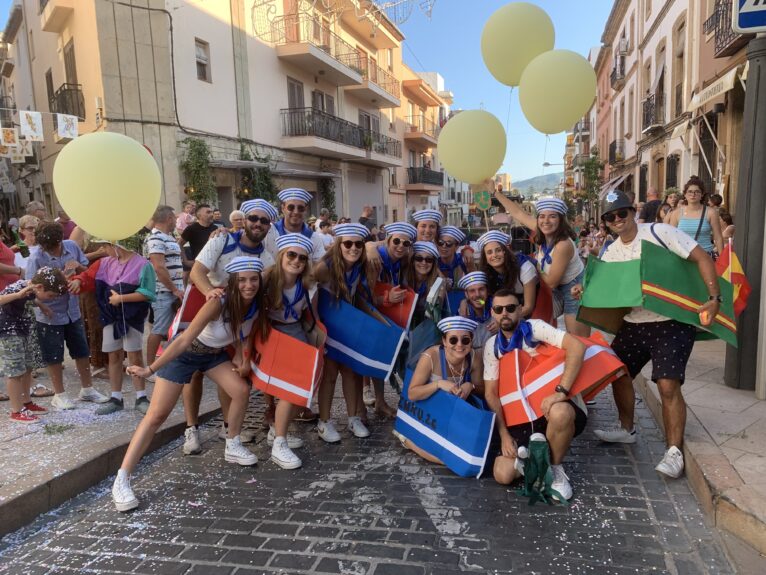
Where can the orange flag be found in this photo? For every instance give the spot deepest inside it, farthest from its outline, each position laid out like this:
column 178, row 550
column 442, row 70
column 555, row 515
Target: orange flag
column 730, row 269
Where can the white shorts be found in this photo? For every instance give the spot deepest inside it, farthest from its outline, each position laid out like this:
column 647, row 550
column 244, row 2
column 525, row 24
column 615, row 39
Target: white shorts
column 131, row 341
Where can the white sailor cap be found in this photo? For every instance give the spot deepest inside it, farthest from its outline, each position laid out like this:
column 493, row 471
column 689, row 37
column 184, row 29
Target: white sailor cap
column 295, row 241
column 294, row 194
column 452, row 232
column 423, row 215
column 401, row 228
column 492, row 236
column 456, row 323
column 351, row 230
column 244, row 264
column 426, row 248
column 261, row 205
column 473, row 278
column 551, row 205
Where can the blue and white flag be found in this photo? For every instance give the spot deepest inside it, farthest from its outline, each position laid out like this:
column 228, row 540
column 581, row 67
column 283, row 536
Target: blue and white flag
column 454, row 297
column 368, row 345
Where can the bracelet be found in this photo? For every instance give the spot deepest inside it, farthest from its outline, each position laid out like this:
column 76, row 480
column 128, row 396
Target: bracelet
column 149, row 367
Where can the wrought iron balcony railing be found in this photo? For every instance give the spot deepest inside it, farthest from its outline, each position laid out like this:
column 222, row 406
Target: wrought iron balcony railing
column 616, row 152
column 68, row 99
column 618, row 73
column 425, row 176
column 653, row 111
column 726, row 40
column 422, row 124
column 387, row 81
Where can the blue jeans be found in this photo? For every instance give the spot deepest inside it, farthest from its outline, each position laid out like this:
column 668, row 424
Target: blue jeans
column 563, row 294
column 163, row 313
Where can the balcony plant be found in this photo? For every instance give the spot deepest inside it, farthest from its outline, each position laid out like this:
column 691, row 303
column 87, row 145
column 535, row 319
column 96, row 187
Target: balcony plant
column 256, row 182
column 197, row 171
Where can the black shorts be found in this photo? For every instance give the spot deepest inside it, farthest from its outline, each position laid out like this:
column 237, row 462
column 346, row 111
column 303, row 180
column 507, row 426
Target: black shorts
column 522, row 432
column 668, row 344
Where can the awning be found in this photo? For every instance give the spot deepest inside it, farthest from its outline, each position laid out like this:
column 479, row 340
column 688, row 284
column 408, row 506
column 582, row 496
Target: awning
column 720, row 86
column 680, row 129
column 610, row 185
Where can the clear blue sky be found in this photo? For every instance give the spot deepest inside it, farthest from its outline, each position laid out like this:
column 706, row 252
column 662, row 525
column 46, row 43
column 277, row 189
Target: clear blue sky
column 449, row 44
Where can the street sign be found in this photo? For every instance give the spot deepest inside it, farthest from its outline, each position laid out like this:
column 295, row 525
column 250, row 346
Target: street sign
column 749, row 16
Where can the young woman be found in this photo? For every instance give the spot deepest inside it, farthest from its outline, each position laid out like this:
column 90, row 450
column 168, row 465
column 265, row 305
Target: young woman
column 202, row 347
column 559, row 264
column 697, row 220
column 503, row 270
column 346, row 274
column 427, row 223
column 287, row 286
column 421, row 276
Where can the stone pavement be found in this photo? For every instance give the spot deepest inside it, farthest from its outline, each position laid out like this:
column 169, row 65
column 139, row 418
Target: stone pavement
column 370, row 507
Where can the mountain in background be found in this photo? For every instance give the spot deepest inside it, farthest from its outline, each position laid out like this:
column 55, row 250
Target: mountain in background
column 538, row 184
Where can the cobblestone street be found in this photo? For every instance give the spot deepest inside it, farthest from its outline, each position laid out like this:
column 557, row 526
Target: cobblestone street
column 369, row 507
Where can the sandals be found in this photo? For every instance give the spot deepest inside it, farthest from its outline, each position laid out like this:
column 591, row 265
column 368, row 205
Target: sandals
column 40, row 390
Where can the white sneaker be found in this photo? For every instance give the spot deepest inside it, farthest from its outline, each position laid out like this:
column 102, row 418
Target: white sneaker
column 237, row 453
column 617, row 435
column 61, row 402
column 245, row 435
column 521, row 454
column 293, row 442
column 122, row 495
column 92, row 394
column 368, row 396
column 358, row 428
column 191, row 441
column 672, row 463
column 282, row 455
column 327, row 431
column 561, row 483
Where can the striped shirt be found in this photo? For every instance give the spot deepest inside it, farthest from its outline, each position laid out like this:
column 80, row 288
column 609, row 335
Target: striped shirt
column 159, row 242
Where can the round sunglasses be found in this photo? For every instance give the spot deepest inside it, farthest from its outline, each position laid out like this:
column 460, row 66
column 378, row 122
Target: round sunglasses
column 296, row 208
column 611, row 216
column 259, row 220
column 405, row 243
column 348, row 244
column 303, row 258
column 510, row 308
column 465, row 340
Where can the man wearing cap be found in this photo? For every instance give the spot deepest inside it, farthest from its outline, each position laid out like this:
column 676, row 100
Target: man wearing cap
column 427, row 223
column 295, row 202
column 645, row 335
column 451, row 263
column 477, row 306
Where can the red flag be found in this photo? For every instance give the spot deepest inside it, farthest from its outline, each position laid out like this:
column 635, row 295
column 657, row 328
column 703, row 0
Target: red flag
column 729, row 268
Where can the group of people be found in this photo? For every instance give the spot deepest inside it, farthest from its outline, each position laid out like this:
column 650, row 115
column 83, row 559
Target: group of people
column 265, row 276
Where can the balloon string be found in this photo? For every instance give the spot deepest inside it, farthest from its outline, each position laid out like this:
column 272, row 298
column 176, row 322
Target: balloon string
column 508, row 117
column 545, row 154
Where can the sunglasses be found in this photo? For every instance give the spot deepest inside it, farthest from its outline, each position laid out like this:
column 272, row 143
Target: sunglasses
column 348, row 244
column 611, row 216
column 29, row 229
column 405, row 243
column 296, row 208
column 510, row 308
column 421, row 259
column 465, row 340
column 259, row 219
column 444, row 244
column 301, row 257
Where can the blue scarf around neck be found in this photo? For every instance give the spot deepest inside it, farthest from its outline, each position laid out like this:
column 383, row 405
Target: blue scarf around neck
column 522, row 334
column 290, row 305
column 305, row 230
column 389, row 267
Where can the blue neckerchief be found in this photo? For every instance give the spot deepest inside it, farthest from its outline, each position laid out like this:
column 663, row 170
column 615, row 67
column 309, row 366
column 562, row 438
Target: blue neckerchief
column 237, row 237
column 305, row 230
column 422, row 290
column 486, row 314
column 443, row 361
column 351, row 277
column 289, row 309
column 523, row 334
column 248, row 316
column 389, row 267
column 546, row 259
column 448, row 270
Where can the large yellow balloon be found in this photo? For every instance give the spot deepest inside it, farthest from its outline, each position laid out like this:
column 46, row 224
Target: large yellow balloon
column 107, row 183
column 512, row 37
column 472, row 146
column 556, row 90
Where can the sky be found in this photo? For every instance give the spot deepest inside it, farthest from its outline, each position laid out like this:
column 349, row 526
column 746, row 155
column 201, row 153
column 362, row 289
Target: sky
column 449, row 43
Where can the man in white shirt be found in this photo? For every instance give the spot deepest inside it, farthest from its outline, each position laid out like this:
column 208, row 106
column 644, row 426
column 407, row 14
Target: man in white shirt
column 323, row 231
column 646, row 335
column 294, row 203
column 564, row 417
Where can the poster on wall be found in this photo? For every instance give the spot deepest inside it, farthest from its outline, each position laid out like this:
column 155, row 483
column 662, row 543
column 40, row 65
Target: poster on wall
column 66, row 126
column 5, row 151
column 10, row 136
column 31, row 125
column 25, row 147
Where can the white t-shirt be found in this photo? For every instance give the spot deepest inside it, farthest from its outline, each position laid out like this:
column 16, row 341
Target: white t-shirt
column 213, row 258
column 271, row 245
column 20, row 261
column 218, row 334
column 527, row 274
column 327, row 239
column 541, row 331
column 676, row 241
column 573, row 269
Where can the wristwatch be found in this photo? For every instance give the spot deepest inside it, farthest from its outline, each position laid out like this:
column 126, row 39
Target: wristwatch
column 561, row 389
column 717, row 298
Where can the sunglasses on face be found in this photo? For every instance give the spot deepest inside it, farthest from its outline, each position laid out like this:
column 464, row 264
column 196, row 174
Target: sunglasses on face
column 445, row 244
column 611, row 216
column 510, row 308
column 301, row 257
column 421, row 259
column 465, row 340
column 296, row 208
column 259, row 219
column 348, row 244
column 405, row 243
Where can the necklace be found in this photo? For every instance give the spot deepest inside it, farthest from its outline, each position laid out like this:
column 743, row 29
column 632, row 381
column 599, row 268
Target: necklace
column 456, row 377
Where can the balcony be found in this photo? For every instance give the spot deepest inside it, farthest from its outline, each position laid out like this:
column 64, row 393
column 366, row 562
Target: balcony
column 424, row 179
column 421, row 132
column 68, row 99
column 7, row 110
column 6, row 63
column 582, row 128
column 726, row 41
column 54, row 14
column 579, row 161
column 616, row 152
column 653, row 116
column 378, row 88
column 307, row 44
column 618, row 74
column 382, row 150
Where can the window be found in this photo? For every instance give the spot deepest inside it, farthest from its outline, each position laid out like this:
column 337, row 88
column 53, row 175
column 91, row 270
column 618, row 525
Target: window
column 631, row 98
column 70, row 65
column 49, row 86
column 632, row 30
column 202, row 53
column 390, row 60
column 365, row 120
column 671, row 175
column 295, row 94
column 323, row 102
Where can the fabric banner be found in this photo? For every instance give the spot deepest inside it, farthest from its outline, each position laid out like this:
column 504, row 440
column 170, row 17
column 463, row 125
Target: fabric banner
column 31, row 125
column 190, row 306
column 454, row 297
column 449, row 428
column 400, row 313
column 367, row 343
column 540, row 374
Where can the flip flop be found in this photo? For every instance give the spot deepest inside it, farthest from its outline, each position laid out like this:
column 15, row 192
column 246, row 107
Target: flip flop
column 305, row 415
column 40, row 390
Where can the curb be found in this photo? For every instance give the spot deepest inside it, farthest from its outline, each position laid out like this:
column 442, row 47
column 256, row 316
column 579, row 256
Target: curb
column 49, row 491
column 726, row 499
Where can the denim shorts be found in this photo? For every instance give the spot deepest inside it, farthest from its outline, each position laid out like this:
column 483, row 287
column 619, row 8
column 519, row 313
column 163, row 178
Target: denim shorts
column 164, row 313
column 53, row 337
column 563, row 293
column 182, row 368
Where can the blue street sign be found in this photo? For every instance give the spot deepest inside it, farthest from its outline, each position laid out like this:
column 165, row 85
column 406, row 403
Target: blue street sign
column 749, row 16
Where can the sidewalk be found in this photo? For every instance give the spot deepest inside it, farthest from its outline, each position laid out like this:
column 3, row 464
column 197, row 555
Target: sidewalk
column 725, row 448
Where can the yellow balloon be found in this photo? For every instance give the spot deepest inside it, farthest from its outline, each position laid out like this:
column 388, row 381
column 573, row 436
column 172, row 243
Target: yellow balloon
column 512, row 37
column 556, row 90
column 109, row 184
column 472, row 146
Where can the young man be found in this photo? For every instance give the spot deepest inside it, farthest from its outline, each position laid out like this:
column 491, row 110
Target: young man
column 295, row 202
column 197, row 233
column 477, row 306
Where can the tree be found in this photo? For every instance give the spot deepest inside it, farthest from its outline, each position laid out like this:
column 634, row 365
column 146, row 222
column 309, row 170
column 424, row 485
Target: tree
column 593, row 170
column 256, row 182
column 196, row 168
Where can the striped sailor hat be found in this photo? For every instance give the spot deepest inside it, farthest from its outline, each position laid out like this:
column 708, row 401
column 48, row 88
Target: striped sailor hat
column 551, row 205
column 244, row 264
column 294, row 194
column 295, row 241
column 351, row 230
column 261, row 205
column 426, row 248
column 473, row 278
column 456, row 323
column 433, row 215
column 401, row 228
column 452, row 232
column 492, row 236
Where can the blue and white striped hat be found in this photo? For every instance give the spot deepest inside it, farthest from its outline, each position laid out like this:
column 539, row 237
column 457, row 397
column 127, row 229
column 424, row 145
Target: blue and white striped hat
column 351, row 230
column 244, row 264
column 433, row 215
column 492, row 236
column 426, row 248
column 401, row 228
column 294, row 194
column 473, row 278
column 261, row 205
column 457, row 323
column 452, row 232
column 551, row 205
column 295, row 241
